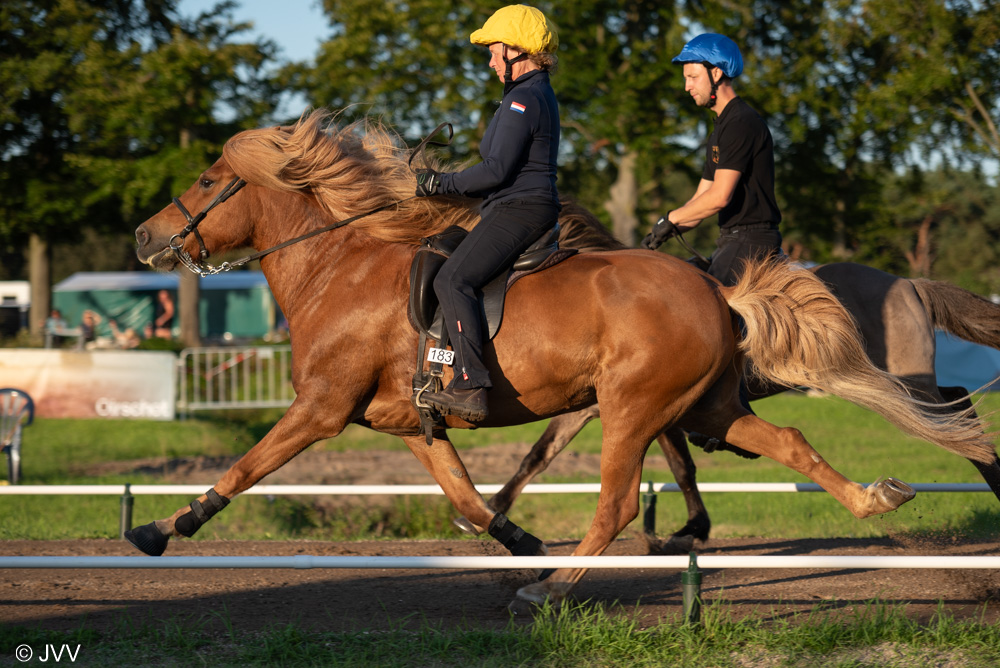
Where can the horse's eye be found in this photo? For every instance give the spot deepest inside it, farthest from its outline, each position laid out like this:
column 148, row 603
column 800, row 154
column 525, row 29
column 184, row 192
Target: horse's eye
column 206, row 183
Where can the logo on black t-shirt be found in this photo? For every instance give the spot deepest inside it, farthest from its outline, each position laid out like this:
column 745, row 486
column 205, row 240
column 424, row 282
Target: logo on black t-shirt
column 715, row 154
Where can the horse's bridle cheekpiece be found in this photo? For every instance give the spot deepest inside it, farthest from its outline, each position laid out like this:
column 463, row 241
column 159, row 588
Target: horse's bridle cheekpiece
column 177, row 241
column 203, row 269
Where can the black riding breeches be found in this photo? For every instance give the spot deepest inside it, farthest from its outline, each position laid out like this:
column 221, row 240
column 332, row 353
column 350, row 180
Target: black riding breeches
column 505, row 231
column 726, row 264
column 739, row 243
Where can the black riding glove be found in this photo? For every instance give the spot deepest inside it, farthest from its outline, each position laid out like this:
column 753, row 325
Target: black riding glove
column 427, row 182
column 662, row 231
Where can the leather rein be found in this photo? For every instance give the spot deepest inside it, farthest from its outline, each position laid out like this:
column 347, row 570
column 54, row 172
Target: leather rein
column 203, row 268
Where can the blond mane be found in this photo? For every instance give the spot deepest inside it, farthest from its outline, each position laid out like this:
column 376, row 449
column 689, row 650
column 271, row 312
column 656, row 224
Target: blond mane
column 349, row 170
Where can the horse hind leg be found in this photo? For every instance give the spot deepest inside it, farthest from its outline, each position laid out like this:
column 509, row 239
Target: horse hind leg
column 675, row 449
column 447, row 469
column 990, row 471
column 787, row 446
column 557, row 435
column 625, row 444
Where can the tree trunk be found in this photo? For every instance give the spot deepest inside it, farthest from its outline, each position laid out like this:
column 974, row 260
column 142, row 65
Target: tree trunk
column 623, row 200
column 188, row 296
column 920, row 257
column 40, row 276
column 839, row 250
column 189, row 289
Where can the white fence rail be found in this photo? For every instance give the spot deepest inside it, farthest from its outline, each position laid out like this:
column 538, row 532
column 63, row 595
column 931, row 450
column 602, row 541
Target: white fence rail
column 691, row 588
column 128, row 492
column 365, row 490
column 303, row 561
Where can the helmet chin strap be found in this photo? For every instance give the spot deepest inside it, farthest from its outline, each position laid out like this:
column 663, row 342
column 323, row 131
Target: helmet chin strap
column 508, row 75
column 715, row 84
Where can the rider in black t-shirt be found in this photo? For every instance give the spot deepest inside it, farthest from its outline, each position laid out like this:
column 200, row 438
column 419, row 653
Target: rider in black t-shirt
column 738, row 180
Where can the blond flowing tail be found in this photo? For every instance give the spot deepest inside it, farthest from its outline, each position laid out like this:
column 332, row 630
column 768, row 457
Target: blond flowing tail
column 798, row 334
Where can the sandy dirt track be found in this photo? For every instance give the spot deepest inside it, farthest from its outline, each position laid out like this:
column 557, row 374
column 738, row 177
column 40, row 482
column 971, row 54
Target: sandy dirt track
column 340, row 599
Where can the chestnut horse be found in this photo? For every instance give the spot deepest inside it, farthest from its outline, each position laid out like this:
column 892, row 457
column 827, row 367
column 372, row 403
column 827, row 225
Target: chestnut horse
column 896, row 316
column 587, row 330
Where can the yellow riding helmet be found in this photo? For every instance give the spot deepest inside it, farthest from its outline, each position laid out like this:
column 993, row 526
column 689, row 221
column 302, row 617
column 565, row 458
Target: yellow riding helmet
column 520, row 26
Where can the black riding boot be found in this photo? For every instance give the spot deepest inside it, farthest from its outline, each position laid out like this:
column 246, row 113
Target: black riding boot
column 468, row 404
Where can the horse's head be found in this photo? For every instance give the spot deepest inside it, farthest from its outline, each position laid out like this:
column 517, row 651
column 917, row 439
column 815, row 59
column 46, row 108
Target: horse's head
column 164, row 239
column 326, row 172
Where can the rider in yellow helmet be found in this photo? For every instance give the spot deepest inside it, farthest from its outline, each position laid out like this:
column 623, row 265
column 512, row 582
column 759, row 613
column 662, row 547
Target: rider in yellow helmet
column 517, row 183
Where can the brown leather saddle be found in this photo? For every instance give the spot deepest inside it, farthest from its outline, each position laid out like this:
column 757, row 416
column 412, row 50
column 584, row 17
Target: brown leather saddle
column 424, row 312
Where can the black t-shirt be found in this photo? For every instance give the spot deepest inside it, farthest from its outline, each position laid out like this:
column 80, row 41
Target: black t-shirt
column 742, row 142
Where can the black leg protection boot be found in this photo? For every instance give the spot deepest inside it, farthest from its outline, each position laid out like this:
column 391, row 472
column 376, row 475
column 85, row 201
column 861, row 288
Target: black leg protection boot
column 188, row 523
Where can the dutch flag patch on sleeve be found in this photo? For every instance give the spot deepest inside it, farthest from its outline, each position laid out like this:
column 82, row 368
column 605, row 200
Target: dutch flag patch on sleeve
column 518, row 107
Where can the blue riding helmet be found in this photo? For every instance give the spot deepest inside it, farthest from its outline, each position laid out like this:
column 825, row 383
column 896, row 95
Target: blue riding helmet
column 717, row 50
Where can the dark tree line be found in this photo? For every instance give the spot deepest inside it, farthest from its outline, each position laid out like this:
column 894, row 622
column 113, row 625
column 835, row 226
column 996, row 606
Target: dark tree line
column 884, row 115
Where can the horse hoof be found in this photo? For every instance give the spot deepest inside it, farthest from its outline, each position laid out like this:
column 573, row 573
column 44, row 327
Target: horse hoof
column 521, row 608
column 465, row 526
column 676, row 545
column 886, row 495
column 148, row 539
column 894, row 492
column 530, row 598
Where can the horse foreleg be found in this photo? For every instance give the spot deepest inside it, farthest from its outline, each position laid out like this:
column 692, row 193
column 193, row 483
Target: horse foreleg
column 675, row 449
column 292, row 434
column 787, row 446
column 557, row 435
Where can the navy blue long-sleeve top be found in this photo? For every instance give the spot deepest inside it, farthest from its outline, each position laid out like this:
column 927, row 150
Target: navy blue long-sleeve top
column 519, row 149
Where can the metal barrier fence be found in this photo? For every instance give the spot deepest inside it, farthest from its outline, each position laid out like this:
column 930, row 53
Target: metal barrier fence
column 234, row 377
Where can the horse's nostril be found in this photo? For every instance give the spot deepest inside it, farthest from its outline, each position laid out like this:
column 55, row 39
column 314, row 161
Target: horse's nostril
column 141, row 237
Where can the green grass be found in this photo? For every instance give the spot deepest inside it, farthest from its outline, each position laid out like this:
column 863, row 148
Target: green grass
column 878, row 634
column 859, row 444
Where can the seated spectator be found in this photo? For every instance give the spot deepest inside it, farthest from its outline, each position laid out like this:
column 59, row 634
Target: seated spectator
column 126, row 340
column 56, row 329
column 88, row 330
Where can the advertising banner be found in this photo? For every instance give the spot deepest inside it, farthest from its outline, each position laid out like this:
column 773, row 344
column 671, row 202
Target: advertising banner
column 93, row 384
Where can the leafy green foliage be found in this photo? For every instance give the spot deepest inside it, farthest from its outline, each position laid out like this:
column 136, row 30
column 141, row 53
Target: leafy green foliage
column 109, row 108
column 937, row 223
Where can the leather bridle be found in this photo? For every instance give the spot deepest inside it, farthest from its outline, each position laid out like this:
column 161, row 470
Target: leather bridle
column 202, row 268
